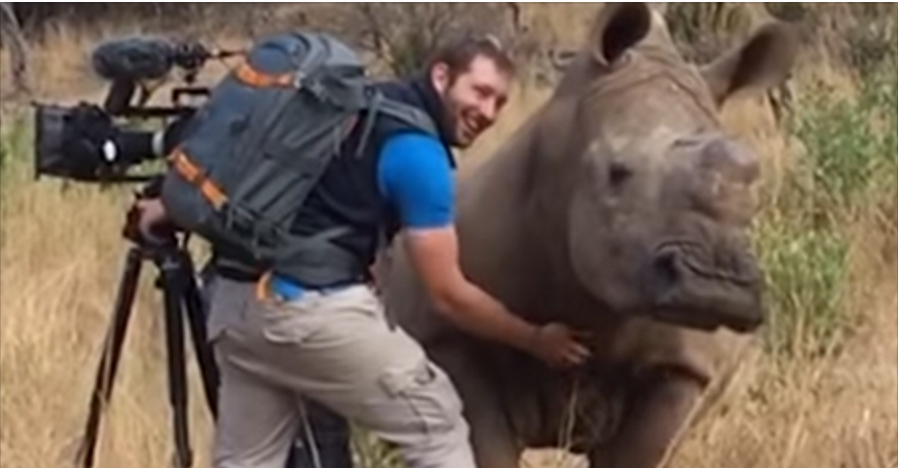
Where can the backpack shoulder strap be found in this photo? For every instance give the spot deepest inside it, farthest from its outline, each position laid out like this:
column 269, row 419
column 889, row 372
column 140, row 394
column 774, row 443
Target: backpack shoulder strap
column 408, row 114
column 379, row 104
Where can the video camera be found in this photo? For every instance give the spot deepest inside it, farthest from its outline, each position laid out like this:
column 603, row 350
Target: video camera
column 85, row 144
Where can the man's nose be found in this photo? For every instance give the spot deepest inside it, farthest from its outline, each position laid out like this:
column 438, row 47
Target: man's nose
column 488, row 111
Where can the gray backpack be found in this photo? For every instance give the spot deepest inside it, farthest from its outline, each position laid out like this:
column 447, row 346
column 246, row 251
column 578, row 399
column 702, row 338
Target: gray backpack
column 254, row 151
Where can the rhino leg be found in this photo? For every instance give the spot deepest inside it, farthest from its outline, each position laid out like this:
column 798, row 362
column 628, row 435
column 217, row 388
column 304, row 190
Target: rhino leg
column 491, row 436
column 655, row 412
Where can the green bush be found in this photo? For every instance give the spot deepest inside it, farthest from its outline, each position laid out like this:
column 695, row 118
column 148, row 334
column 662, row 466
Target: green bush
column 15, row 145
column 851, row 146
column 806, row 275
column 847, row 173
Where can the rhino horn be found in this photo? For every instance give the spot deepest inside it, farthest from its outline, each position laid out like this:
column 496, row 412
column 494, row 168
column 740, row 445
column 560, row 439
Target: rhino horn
column 730, row 159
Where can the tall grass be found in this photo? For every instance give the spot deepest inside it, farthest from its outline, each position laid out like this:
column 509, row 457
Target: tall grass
column 15, row 142
column 845, row 177
column 820, row 391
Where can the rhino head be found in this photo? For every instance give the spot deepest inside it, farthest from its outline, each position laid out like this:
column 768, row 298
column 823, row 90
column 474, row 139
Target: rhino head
column 648, row 197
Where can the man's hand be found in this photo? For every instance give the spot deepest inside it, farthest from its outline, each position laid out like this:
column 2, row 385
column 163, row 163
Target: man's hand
column 434, row 254
column 152, row 219
column 559, row 346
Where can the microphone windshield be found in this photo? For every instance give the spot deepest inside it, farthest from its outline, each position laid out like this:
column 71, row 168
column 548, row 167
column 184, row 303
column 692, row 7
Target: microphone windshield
column 134, row 58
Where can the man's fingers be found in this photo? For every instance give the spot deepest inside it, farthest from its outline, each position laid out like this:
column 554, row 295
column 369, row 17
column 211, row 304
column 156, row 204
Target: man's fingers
column 582, row 351
column 575, row 356
column 570, row 351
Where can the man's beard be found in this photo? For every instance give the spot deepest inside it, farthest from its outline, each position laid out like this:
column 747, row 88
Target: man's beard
column 451, row 120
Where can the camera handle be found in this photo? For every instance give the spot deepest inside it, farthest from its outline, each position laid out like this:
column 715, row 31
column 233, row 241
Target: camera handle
column 181, row 296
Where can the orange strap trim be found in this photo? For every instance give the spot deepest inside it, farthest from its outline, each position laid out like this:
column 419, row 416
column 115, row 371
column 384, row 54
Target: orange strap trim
column 194, row 175
column 262, row 287
column 250, row 76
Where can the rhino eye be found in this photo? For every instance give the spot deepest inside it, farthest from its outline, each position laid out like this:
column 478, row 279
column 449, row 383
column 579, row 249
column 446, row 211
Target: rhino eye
column 618, row 174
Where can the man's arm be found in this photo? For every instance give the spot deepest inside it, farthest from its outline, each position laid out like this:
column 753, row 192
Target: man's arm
column 415, row 175
column 434, row 254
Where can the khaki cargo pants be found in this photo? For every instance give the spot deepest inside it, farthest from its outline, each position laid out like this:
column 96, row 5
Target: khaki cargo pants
column 335, row 348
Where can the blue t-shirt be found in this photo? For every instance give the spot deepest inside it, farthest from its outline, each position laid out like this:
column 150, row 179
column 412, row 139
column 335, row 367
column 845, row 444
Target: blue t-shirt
column 414, row 175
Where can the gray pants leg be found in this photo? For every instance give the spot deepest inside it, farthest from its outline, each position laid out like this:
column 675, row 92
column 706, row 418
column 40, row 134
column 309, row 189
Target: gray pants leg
column 330, row 431
column 336, row 349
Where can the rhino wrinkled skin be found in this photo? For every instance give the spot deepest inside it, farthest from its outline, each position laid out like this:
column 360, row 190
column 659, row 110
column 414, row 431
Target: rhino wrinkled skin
column 620, row 207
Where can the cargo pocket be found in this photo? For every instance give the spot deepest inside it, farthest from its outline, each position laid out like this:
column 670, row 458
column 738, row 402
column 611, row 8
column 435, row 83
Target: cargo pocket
column 430, row 396
column 227, row 302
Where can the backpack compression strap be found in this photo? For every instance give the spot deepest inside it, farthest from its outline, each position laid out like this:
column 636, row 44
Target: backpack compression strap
column 193, row 172
column 195, row 175
column 248, row 75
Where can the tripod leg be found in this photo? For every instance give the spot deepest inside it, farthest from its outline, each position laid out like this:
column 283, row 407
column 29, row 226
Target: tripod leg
column 111, row 352
column 173, row 290
column 197, row 320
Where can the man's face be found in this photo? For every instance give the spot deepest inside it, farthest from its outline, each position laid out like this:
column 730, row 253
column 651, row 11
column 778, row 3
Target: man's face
column 473, row 99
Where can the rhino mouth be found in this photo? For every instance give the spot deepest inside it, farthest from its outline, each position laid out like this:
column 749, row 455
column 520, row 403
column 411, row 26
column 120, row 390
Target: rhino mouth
column 690, row 285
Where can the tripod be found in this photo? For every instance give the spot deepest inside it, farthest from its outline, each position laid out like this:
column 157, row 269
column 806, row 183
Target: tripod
column 181, row 296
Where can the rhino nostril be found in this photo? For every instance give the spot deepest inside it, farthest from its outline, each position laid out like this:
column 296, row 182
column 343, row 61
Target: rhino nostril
column 618, row 173
column 665, row 268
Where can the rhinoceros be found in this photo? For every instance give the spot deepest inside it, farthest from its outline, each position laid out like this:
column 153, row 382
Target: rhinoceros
column 621, row 207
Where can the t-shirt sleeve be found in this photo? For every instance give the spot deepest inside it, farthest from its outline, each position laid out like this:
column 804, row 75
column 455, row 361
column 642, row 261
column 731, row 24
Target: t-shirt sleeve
column 416, row 178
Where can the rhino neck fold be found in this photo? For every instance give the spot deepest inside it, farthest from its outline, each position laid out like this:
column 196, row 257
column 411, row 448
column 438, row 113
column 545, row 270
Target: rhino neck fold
column 496, row 249
column 511, row 228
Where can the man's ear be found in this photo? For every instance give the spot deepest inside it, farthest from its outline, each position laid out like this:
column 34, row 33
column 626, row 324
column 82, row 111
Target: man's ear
column 618, row 27
column 763, row 61
column 440, row 77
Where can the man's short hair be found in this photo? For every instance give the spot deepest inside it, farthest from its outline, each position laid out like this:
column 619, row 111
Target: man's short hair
column 459, row 52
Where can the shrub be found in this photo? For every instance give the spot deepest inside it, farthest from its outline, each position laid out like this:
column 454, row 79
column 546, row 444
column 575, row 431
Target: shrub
column 403, row 35
column 806, row 275
column 15, row 143
column 847, row 174
column 851, row 146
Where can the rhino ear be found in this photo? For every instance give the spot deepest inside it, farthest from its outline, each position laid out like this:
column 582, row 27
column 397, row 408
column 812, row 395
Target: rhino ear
column 618, row 27
column 762, row 62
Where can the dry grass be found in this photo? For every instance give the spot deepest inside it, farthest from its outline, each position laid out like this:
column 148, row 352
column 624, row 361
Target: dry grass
column 838, row 411
column 62, row 256
column 61, row 260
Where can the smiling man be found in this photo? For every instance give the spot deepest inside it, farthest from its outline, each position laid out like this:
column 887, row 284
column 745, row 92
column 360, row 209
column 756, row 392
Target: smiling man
column 280, row 341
